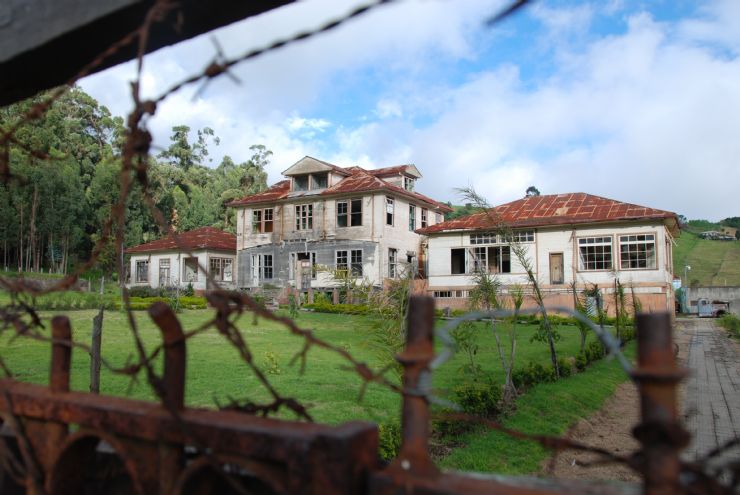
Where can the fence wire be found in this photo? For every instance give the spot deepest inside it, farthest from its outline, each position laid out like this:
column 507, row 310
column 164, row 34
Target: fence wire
column 22, row 321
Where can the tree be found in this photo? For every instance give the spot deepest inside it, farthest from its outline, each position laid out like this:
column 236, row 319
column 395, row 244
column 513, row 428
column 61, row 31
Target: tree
column 545, row 333
column 532, row 191
column 182, row 153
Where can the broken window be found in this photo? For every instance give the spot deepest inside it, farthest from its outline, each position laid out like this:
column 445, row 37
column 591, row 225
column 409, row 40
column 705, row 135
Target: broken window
column 392, row 263
column 262, row 221
column 221, row 269
column 389, row 210
column 637, row 251
column 190, row 270
column 142, row 271
column 319, row 181
column 349, row 213
column 356, row 262
column 424, row 215
column 300, row 183
column 457, row 261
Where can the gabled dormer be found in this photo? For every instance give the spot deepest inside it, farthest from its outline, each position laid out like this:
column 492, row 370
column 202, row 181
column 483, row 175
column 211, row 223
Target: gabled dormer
column 403, row 176
column 311, row 176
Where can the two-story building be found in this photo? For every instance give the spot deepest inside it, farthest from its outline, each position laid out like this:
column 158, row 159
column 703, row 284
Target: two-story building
column 322, row 215
column 565, row 238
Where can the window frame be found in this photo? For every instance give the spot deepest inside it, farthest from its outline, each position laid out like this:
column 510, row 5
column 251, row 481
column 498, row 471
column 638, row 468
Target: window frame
column 581, row 266
column 165, row 266
column 349, row 214
column 185, row 267
column 220, row 264
column 139, row 272
column 654, row 242
column 408, row 183
column 424, row 218
column 304, row 216
column 355, row 267
column 412, row 217
column 390, row 204
column 260, row 225
column 392, row 263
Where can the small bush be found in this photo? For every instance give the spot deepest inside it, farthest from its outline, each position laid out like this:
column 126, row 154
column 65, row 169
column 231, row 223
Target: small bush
column 143, row 292
column 480, row 398
column 272, row 367
column 389, row 440
column 731, row 323
column 581, row 361
column 533, row 374
column 349, row 309
column 595, row 351
column 565, row 365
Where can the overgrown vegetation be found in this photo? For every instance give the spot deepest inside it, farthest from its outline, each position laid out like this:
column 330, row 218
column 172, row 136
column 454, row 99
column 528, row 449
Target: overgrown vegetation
column 731, row 323
column 53, row 215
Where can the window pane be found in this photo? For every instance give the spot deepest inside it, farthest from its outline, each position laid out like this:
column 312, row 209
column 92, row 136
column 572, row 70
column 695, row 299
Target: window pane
column 301, row 183
column 342, row 260
column 389, row 210
column 341, row 214
column 356, row 213
column 412, row 218
column 228, row 270
column 320, row 181
column 356, row 262
column 257, row 221
column 268, row 220
column 637, row 252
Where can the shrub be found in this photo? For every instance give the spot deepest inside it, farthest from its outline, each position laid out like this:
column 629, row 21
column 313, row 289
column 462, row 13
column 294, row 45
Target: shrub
column 533, row 374
column 731, row 323
column 565, row 365
column 595, row 351
column 189, row 291
column 389, row 440
column 581, row 361
column 349, row 309
column 272, row 367
column 143, row 292
column 480, row 398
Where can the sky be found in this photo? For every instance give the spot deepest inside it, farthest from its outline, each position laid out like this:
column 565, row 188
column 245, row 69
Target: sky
column 637, row 101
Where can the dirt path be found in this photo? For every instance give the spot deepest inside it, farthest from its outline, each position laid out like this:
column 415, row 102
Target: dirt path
column 710, row 398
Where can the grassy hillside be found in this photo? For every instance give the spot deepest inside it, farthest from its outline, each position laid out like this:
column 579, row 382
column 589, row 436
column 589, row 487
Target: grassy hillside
column 712, row 262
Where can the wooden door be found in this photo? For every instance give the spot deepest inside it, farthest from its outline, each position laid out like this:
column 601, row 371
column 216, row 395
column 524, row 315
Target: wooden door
column 556, row 268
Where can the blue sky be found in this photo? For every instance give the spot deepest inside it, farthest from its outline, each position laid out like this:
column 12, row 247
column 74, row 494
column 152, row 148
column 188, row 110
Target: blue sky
column 633, row 100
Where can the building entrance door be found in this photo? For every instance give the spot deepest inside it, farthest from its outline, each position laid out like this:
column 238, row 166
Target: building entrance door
column 556, row 268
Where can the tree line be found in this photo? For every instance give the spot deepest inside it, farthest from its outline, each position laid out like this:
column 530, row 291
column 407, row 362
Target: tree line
column 64, row 178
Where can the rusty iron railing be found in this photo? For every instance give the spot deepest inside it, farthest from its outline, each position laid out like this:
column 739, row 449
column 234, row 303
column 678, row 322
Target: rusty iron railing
column 73, row 442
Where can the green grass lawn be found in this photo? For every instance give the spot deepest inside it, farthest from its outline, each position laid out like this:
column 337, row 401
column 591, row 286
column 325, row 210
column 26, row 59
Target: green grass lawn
column 215, row 373
column 712, row 262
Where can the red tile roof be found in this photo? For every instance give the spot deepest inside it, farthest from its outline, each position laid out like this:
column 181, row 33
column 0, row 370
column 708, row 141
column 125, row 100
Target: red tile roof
column 202, row 238
column 360, row 180
column 552, row 209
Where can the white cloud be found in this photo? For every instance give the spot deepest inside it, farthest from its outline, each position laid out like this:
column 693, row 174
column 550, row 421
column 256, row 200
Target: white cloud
column 648, row 116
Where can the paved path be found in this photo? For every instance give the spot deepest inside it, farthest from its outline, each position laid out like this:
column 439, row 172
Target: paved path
column 712, row 392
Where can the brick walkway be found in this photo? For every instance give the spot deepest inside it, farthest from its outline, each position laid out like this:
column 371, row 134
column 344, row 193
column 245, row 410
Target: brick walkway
column 712, row 393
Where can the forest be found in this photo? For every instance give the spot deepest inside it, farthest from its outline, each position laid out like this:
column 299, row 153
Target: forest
column 63, row 177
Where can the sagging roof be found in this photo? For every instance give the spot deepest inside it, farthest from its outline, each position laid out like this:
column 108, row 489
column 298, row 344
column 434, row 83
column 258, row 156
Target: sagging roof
column 358, row 179
column 554, row 209
column 202, row 238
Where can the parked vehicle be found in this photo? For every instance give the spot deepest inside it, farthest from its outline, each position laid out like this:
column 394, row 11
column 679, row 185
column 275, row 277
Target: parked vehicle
column 712, row 309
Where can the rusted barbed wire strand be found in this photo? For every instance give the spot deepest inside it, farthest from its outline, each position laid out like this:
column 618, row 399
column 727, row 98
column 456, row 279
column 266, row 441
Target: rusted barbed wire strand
column 229, row 306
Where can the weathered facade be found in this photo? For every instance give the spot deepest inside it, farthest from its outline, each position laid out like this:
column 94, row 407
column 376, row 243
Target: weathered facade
column 566, row 238
column 325, row 217
column 203, row 258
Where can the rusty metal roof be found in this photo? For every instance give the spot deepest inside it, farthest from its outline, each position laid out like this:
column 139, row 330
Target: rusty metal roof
column 553, row 209
column 202, row 238
column 360, row 180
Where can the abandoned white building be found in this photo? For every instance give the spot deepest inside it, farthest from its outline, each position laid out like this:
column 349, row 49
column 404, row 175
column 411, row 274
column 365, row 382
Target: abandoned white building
column 170, row 262
column 565, row 237
column 322, row 215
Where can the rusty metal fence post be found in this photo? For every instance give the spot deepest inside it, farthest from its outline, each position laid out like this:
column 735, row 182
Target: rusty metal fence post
column 660, row 433
column 413, row 457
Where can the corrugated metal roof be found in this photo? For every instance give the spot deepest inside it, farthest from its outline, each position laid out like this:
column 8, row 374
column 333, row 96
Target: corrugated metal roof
column 202, row 238
column 360, row 180
column 552, row 209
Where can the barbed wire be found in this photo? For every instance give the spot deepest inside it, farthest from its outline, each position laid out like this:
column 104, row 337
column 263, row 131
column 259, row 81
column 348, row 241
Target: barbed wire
column 23, row 320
